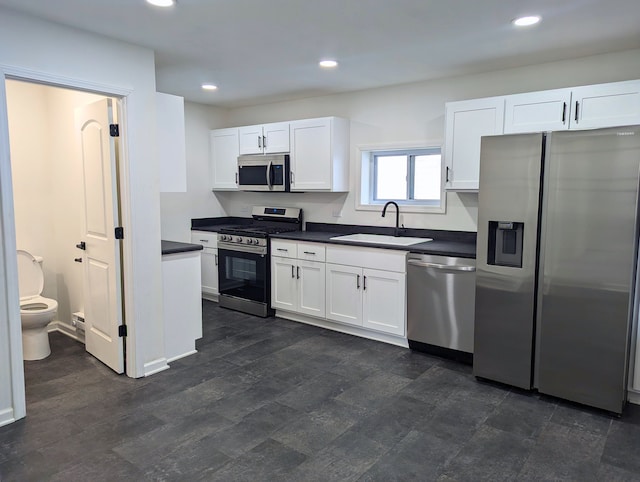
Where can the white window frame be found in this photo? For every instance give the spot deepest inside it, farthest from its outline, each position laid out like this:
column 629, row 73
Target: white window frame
column 365, row 179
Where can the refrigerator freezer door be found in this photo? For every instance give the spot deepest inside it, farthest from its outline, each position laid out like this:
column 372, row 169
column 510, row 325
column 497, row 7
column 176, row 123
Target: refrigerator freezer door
column 589, row 256
column 508, row 199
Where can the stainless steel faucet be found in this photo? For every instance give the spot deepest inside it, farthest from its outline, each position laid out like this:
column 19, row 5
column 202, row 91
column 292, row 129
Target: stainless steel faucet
column 384, row 211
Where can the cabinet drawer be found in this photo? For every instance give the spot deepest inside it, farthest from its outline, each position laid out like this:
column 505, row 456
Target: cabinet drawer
column 377, row 258
column 311, row 251
column 283, row 248
column 205, row 238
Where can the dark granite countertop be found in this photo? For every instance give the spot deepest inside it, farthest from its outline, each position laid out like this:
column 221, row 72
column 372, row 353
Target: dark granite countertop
column 173, row 247
column 216, row 224
column 460, row 249
column 445, row 243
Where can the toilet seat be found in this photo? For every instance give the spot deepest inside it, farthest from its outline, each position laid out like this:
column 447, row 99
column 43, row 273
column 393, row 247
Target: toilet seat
column 37, row 304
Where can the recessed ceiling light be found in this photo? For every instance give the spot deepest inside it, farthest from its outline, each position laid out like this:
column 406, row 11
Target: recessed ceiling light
column 328, row 64
column 209, row 87
column 162, row 3
column 526, row 21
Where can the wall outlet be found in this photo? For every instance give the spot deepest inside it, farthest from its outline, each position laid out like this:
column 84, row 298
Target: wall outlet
column 244, row 209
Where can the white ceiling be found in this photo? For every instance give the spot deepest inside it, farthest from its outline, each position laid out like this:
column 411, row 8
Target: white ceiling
column 260, row 51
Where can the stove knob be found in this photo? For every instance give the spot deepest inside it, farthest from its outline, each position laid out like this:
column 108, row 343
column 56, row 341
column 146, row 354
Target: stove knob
column 249, row 241
column 225, row 237
column 238, row 239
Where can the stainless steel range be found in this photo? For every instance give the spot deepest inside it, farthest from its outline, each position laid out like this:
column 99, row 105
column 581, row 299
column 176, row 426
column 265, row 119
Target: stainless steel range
column 243, row 251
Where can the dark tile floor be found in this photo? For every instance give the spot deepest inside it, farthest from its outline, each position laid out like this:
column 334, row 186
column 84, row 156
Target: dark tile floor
column 277, row 400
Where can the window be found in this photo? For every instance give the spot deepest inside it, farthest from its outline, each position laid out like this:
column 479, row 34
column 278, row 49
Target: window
column 411, row 177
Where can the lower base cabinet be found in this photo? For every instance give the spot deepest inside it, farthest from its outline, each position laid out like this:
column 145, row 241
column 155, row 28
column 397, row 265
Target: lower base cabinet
column 209, row 262
column 366, row 297
column 363, row 287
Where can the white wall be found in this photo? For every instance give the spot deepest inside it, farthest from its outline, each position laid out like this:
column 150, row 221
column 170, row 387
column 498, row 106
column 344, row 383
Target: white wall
column 198, row 202
column 47, row 181
column 45, row 50
column 414, row 113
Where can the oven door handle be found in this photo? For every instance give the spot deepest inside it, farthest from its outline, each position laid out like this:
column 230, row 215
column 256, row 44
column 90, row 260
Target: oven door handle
column 269, row 174
column 243, row 248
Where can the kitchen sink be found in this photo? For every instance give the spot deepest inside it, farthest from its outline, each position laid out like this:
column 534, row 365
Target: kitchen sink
column 380, row 239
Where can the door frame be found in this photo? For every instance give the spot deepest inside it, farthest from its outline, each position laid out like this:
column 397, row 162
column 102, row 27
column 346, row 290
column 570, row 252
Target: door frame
column 10, row 319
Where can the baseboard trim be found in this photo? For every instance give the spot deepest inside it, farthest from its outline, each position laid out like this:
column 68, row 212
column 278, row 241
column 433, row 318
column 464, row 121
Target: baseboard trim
column 633, row 397
column 349, row 330
column 65, row 329
column 210, row 297
column 172, row 359
column 6, row 417
column 155, row 366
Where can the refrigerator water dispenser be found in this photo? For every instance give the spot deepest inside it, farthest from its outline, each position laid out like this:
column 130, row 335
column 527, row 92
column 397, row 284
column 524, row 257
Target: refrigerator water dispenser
column 505, row 243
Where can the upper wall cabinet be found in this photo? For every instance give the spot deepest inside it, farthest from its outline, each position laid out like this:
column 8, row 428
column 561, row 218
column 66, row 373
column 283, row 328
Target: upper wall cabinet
column 587, row 107
column 606, row 105
column 466, row 122
column 225, row 148
column 264, row 139
column 591, row 106
column 320, row 154
column 537, row 111
column 170, row 143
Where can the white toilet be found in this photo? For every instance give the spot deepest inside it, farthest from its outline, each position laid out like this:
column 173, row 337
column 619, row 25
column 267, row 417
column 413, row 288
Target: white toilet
column 36, row 312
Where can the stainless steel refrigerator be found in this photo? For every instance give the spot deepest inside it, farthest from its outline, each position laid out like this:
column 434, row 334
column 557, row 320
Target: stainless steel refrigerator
column 556, row 262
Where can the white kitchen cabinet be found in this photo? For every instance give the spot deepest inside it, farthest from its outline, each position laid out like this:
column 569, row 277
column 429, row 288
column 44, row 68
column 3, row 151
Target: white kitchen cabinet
column 605, row 105
column 170, row 142
column 383, row 301
column 225, row 149
column 344, row 299
column 466, row 122
column 264, row 139
column 588, row 107
column 538, row 111
column 320, row 155
column 298, row 285
column 358, row 293
column 209, row 263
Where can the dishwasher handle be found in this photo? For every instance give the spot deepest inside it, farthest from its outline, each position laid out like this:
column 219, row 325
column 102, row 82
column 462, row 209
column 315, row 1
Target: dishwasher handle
column 447, row 267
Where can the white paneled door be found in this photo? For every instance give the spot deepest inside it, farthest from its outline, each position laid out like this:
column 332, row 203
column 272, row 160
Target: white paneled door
column 101, row 258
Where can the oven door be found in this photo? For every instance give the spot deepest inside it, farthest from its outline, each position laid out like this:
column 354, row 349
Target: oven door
column 243, row 273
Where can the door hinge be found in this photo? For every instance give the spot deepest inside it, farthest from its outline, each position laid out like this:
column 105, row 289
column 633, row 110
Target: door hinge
column 119, row 232
column 114, row 130
column 122, row 331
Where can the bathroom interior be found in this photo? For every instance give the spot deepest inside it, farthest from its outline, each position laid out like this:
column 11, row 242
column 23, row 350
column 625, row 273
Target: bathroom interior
column 48, row 196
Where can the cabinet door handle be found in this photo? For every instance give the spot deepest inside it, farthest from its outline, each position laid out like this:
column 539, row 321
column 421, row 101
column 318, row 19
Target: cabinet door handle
column 564, row 112
column 298, row 272
column 447, row 175
column 204, row 240
column 282, row 249
column 364, row 283
column 358, row 282
column 293, row 275
column 309, row 252
column 577, row 107
column 236, row 178
column 78, row 260
column 264, row 142
column 293, row 178
column 216, row 259
column 260, row 141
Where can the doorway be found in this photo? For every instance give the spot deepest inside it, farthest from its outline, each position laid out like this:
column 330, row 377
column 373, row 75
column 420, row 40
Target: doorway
column 59, row 184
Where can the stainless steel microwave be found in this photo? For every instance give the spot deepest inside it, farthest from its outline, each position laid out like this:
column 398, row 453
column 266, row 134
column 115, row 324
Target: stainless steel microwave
column 264, row 173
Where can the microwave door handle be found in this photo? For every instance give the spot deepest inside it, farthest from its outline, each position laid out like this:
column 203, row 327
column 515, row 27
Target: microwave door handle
column 269, row 174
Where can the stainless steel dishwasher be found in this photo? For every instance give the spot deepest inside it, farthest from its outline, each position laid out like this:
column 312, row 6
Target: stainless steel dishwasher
column 441, row 305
